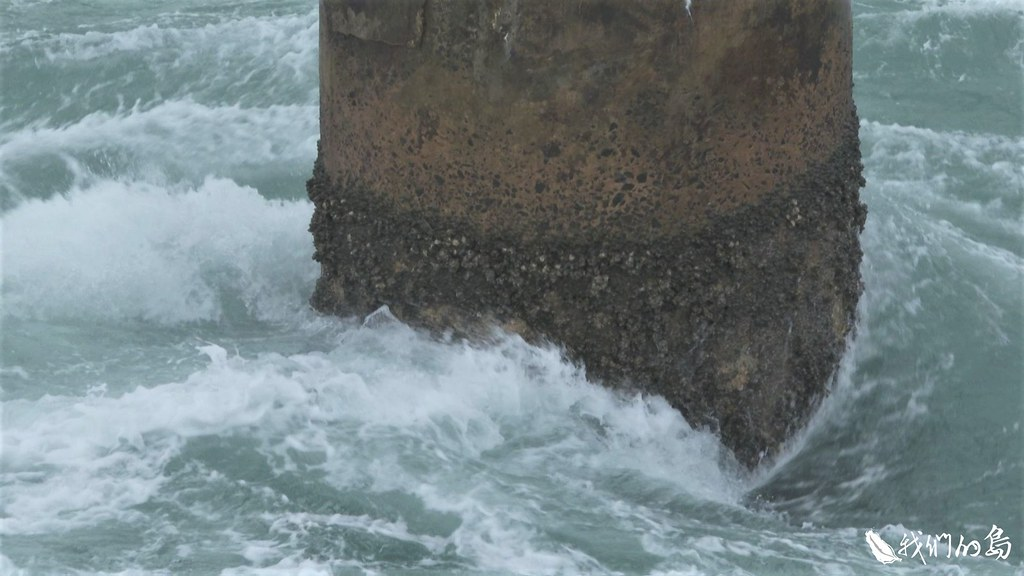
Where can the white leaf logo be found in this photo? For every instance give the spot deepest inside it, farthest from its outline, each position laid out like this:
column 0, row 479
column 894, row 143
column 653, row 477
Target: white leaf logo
column 882, row 551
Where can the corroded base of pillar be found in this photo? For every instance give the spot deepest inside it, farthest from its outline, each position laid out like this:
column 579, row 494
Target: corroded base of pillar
column 739, row 326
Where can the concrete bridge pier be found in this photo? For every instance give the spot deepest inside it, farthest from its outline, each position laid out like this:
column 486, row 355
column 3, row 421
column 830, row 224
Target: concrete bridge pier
column 667, row 189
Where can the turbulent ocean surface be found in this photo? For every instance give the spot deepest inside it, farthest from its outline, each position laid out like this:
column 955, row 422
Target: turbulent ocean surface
column 172, row 406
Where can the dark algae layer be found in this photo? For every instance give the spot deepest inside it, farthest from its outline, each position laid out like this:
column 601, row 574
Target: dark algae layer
column 672, row 195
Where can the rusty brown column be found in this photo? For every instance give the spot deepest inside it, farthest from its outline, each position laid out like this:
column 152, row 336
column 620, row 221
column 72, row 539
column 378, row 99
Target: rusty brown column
column 668, row 191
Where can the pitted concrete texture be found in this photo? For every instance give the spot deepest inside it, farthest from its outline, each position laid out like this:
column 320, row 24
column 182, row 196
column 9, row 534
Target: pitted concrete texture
column 671, row 195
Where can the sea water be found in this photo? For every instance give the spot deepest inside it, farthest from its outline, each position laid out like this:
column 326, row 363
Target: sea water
column 171, row 405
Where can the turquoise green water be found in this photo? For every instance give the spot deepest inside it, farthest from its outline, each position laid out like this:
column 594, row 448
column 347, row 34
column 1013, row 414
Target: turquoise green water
column 170, row 404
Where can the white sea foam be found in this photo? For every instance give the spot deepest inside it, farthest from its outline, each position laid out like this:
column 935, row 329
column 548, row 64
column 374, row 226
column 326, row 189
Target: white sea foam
column 297, row 566
column 934, row 237
column 293, row 526
column 184, row 136
column 523, row 414
column 917, row 153
column 275, row 53
column 917, row 166
column 914, row 9
column 389, row 410
column 933, row 37
column 137, row 250
column 280, row 33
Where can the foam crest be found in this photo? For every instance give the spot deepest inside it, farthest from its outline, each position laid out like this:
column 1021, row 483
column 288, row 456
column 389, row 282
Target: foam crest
column 388, row 409
column 294, row 525
column 970, row 185
column 917, row 153
column 516, row 414
column 71, row 462
column 912, row 9
column 297, row 566
column 280, row 33
column 515, row 387
column 179, row 136
column 249, row 57
column 137, row 250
